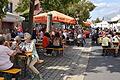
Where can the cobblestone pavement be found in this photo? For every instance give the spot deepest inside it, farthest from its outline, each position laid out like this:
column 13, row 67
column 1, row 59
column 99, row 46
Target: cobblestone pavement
column 71, row 66
column 81, row 63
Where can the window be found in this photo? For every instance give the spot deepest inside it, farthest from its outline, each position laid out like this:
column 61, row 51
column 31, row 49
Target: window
column 9, row 7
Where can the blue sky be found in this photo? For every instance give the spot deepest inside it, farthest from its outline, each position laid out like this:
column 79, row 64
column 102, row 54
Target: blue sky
column 105, row 7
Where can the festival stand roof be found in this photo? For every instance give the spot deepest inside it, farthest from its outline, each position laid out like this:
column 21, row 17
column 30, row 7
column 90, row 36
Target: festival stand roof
column 56, row 17
column 10, row 17
column 87, row 23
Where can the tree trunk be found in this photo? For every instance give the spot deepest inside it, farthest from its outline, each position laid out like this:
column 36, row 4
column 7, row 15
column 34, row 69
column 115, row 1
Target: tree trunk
column 31, row 13
column 1, row 27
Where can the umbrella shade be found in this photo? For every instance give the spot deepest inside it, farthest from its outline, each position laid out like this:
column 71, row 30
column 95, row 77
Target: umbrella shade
column 56, row 17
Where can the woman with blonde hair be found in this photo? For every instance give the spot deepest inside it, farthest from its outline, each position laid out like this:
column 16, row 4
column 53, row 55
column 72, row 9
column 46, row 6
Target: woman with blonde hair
column 29, row 46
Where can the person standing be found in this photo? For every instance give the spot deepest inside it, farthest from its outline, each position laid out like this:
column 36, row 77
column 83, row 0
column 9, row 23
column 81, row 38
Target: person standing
column 105, row 43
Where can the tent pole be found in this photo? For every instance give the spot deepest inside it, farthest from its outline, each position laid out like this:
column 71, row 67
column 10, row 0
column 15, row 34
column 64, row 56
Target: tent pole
column 49, row 22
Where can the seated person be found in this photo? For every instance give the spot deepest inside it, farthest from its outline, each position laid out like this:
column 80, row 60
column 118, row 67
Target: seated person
column 57, row 41
column 17, row 43
column 46, row 43
column 7, row 43
column 29, row 46
column 5, row 54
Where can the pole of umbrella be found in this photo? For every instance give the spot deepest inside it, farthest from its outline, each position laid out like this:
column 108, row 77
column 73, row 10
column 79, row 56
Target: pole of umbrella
column 49, row 22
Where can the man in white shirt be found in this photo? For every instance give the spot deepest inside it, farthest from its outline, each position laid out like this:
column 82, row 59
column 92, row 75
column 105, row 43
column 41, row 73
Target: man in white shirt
column 41, row 35
column 65, row 34
column 5, row 54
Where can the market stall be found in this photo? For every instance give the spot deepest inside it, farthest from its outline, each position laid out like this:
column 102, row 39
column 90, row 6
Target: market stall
column 56, row 17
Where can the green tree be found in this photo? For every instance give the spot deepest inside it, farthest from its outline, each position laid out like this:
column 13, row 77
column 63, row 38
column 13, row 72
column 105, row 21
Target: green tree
column 97, row 20
column 3, row 3
column 27, row 5
column 76, row 8
column 81, row 9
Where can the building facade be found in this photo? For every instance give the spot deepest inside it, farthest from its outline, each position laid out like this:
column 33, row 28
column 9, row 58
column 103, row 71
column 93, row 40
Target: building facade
column 11, row 18
column 12, row 5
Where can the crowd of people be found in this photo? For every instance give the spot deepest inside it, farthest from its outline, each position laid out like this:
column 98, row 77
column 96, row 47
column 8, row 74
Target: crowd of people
column 14, row 43
column 106, row 38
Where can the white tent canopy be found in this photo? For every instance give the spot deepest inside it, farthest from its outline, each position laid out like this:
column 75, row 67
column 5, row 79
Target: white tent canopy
column 116, row 18
column 10, row 17
column 103, row 24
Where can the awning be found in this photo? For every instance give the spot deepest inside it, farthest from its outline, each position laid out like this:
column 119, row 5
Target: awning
column 88, row 24
column 56, row 17
column 10, row 17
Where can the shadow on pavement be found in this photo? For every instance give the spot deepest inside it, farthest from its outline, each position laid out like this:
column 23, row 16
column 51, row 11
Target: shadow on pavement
column 99, row 64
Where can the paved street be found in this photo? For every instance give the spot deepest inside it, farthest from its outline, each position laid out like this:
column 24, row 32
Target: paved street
column 80, row 63
column 102, row 68
column 66, row 67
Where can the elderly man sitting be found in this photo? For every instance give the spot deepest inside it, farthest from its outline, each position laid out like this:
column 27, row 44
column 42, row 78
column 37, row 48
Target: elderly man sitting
column 5, row 54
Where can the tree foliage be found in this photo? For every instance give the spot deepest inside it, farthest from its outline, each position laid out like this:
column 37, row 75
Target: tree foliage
column 97, row 20
column 23, row 5
column 3, row 3
column 76, row 8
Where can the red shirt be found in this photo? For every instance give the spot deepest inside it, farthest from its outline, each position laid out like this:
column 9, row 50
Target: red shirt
column 45, row 42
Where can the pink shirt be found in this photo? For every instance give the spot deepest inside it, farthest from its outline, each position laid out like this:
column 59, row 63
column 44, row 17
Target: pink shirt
column 5, row 54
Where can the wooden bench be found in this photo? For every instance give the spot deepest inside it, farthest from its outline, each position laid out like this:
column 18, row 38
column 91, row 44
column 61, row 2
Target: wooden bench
column 11, row 71
column 39, row 46
column 25, row 56
column 57, row 50
column 110, row 51
column 2, row 78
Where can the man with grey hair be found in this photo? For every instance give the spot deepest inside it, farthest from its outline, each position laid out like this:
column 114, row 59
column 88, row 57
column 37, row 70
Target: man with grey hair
column 5, row 54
